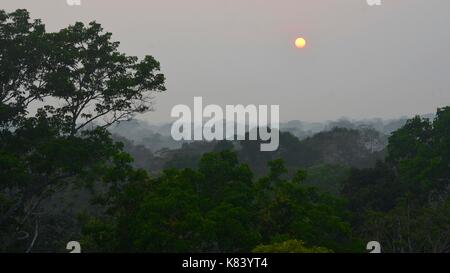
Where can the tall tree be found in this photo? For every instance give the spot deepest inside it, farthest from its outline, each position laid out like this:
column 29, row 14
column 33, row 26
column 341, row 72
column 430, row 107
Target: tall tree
column 23, row 45
column 93, row 80
column 79, row 76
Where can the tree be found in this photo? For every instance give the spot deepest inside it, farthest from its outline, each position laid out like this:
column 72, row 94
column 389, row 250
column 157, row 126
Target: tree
column 403, row 202
column 93, row 80
column 180, row 211
column 63, row 143
column 289, row 210
column 410, row 229
column 23, row 45
column 218, row 208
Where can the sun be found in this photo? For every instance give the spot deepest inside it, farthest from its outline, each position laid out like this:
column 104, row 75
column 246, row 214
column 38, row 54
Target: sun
column 300, row 42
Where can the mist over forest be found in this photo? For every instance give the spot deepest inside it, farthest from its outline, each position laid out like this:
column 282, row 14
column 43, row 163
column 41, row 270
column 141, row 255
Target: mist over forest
column 156, row 136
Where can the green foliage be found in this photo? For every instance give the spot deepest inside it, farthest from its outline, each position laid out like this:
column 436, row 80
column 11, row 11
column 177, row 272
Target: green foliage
column 291, row 246
column 403, row 203
column 182, row 210
column 78, row 76
column 288, row 209
column 326, row 177
column 92, row 79
column 218, row 208
column 22, row 49
column 411, row 229
column 420, row 151
column 371, row 189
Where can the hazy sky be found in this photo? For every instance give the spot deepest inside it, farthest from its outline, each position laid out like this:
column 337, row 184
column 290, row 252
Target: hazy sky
column 360, row 62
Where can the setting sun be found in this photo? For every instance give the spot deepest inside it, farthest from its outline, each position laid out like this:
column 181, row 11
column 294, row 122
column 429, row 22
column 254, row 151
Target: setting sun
column 300, row 43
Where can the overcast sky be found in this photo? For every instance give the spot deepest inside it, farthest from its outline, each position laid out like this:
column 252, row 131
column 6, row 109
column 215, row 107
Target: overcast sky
column 360, row 61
